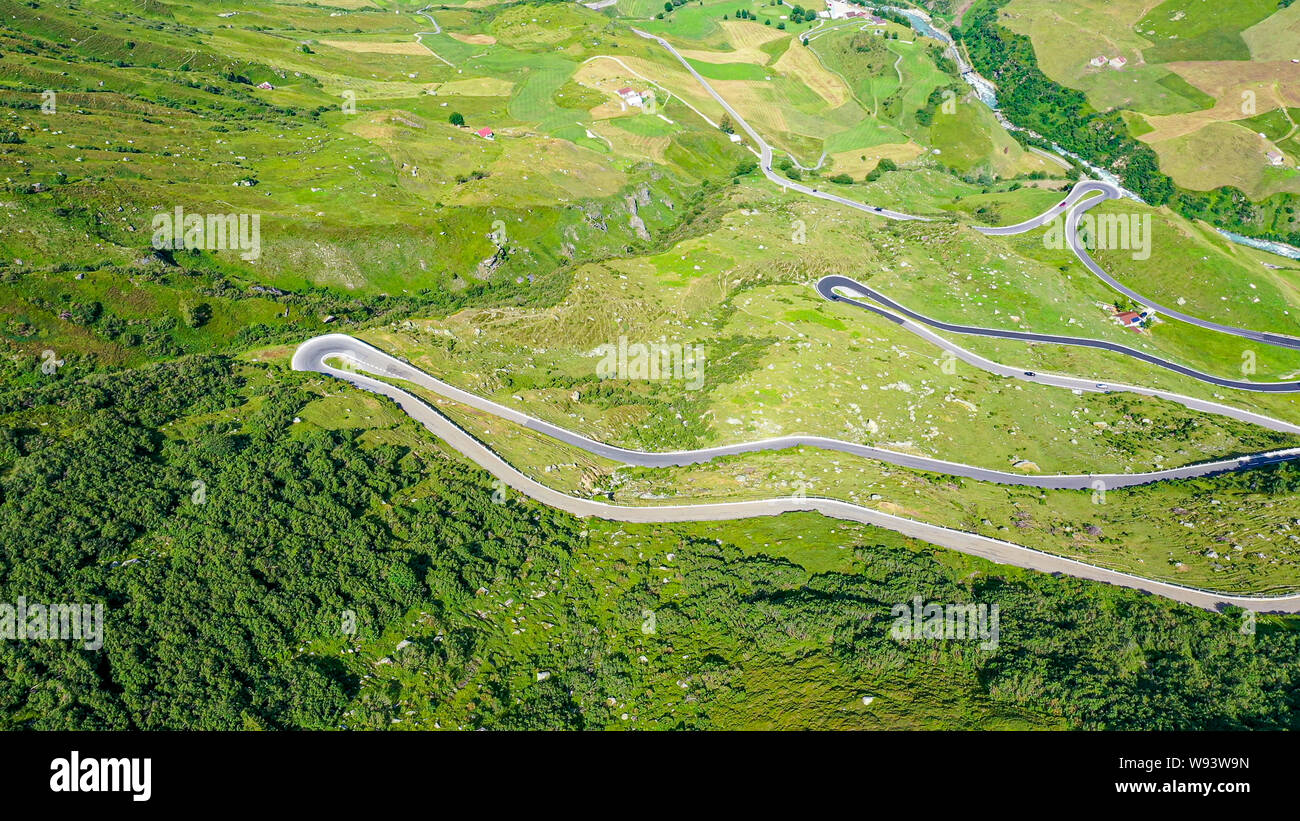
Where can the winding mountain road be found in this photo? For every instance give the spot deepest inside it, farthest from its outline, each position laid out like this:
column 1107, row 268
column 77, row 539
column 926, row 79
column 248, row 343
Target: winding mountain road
column 827, row 286
column 424, row 12
column 313, row 355
column 1072, row 236
column 1071, row 207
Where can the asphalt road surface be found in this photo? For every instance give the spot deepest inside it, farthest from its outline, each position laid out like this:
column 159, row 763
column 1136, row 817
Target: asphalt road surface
column 1072, row 236
column 1080, row 190
column 826, row 287
column 313, row 354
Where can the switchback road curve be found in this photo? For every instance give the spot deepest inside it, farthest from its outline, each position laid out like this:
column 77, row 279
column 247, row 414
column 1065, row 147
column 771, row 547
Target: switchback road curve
column 826, row 287
column 1072, row 237
column 313, row 355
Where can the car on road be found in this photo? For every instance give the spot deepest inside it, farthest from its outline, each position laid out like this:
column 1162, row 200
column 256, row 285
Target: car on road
column 1030, row 373
column 1063, row 204
column 875, row 207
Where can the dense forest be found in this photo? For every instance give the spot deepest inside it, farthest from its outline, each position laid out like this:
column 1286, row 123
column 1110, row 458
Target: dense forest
column 227, row 609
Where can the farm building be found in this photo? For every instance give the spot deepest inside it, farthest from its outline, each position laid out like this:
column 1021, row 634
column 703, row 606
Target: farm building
column 1132, row 318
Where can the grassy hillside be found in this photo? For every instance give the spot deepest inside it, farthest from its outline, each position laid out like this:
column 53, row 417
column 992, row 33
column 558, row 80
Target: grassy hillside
column 370, row 201
column 778, row 356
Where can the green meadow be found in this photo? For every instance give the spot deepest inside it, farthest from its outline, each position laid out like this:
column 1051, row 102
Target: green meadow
column 484, row 203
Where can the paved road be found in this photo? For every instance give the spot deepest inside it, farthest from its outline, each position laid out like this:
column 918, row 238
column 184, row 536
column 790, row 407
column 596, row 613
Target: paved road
column 437, row 29
column 315, row 351
column 424, row 12
column 826, row 287
column 312, row 356
column 1080, row 190
column 1072, row 236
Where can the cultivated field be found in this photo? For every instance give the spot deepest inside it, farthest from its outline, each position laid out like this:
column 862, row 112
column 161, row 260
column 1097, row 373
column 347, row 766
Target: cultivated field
column 1196, row 75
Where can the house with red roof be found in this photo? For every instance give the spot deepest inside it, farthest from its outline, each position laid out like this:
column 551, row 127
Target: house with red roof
column 486, row 133
column 1132, row 319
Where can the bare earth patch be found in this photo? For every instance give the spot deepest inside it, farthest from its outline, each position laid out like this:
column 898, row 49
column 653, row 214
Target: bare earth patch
column 473, row 39
column 371, row 47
